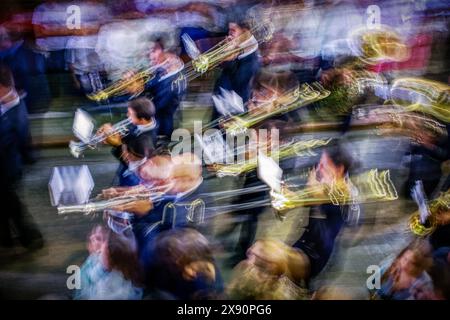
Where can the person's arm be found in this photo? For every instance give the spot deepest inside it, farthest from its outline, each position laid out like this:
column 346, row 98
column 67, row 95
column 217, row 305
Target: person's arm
column 138, row 207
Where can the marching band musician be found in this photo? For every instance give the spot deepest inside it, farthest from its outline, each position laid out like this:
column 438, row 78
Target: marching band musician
column 164, row 89
column 307, row 257
column 239, row 70
column 138, row 145
column 268, row 88
column 177, row 177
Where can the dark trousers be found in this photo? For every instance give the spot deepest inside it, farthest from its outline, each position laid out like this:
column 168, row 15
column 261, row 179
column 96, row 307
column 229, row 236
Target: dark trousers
column 16, row 214
column 247, row 219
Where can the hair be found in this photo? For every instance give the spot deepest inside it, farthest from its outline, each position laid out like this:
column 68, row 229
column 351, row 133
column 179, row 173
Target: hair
column 6, row 78
column 251, row 283
column 123, row 256
column 180, row 247
column 423, row 260
column 340, row 156
column 143, row 107
column 173, row 250
column 239, row 17
column 158, row 42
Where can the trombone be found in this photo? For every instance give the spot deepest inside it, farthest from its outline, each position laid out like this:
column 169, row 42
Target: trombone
column 371, row 185
column 198, row 66
column 298, row 148
column 291, row 100
column 227, row 48
column 121, row 87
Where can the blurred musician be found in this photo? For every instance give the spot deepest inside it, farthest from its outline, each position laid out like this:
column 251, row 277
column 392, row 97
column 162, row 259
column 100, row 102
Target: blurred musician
column 163, row 89
column 311, row 252
column 14, row 147
column 268, row 88
column 239, row 70
column 138, row 144
column 177, row 177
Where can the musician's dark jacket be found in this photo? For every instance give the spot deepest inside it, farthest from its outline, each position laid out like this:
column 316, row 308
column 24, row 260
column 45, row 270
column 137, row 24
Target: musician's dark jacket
column 14, row 146
column 237, row 76
column 166, row 94
column 317, row 241
column 14, row 142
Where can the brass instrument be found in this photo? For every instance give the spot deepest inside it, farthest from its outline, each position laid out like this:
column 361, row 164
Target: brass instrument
column 121, row 87
column 99, row 206
column 198, row 66
column 372, row 186
column 226, row 48
column 436, row 207
column 293, row 99
column 208, row 60
column 379, row 44
column 298, row 148
column 101, row 202
column 422, row 95
column 77, row 148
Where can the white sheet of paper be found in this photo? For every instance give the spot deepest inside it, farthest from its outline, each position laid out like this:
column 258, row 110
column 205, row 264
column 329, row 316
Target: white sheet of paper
column 83, row 125
column 70, row 185
column 269, row 172
column 190, row 46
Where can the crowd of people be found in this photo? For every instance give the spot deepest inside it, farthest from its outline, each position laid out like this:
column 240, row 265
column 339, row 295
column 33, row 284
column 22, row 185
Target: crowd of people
column 354, row 95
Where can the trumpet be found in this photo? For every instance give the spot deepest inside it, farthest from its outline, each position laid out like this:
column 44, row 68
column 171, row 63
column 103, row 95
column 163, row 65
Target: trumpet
column 121, row 128
column 101, row 203
column 436, row 207
column 99, row 206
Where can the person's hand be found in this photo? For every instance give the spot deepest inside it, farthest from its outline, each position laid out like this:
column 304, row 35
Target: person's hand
column 212, row 167
column 113, row 139
column 443, row 217
column 313, row 183
column 111, row 193
column 134, row 87
column 138, row 207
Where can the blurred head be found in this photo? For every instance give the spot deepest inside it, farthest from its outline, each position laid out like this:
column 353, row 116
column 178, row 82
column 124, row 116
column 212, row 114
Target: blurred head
column 117, row 252
column 415, row 258
column 333, row 164
column 181, row 256
column 136, row 150
column 141, row 111
column 269, row 256
column 156, row 52
column 262, row 276
column 235, row 30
